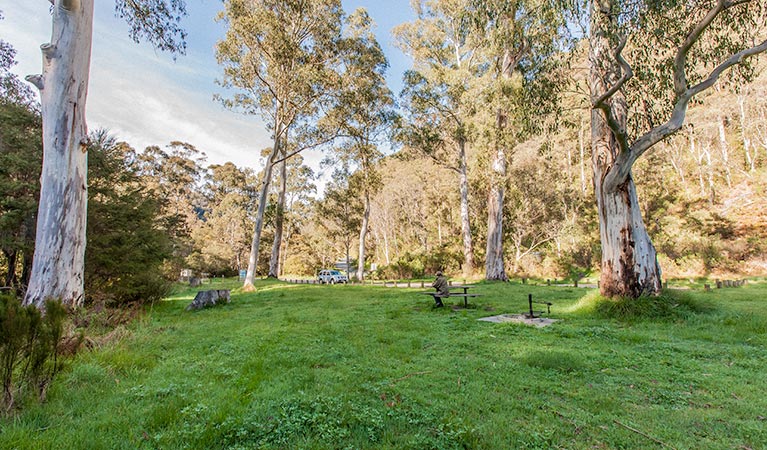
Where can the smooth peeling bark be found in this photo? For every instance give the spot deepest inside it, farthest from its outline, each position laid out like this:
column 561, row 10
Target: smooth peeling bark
column 494, row 264
column 629, row 266
column 58, row 265
column 468, row 246
column 629, row 260
column 363, row 237
column 279, row 225
column 629, row 263
column 250, row 277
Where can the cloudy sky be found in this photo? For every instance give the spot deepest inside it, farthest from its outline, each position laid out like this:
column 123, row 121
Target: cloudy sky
column 146, row 98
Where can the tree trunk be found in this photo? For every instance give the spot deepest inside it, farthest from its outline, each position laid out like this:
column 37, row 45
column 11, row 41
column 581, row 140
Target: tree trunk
column 494, row 264
column 363, row 237
column 253, row 259
column 274, row 262
column 468, row 247
column 11, row 257
column 58, row 266
column 629, row 264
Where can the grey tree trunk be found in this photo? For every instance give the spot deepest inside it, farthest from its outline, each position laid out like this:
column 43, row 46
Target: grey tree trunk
column 494, row 262
column 629, row 264
column 274, row 262
column 468, row 246
column 363, row 237
column 250, row 276
column 58, row 265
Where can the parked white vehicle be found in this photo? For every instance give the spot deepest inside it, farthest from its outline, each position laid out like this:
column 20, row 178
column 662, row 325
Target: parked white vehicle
column 331, row 277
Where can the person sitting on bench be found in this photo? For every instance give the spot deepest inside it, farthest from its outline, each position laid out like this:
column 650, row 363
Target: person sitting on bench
column 440, row 284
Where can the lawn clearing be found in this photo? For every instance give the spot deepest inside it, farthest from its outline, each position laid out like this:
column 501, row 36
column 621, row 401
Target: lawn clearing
column 305, row 366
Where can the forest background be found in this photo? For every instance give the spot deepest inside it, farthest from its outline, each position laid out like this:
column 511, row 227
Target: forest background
column 157, row 211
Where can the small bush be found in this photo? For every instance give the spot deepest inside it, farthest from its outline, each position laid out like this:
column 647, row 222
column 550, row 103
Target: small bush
column 29, row 344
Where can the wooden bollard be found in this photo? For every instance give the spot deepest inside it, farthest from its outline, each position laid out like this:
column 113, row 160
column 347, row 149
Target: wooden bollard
column 707, row 287
column 450, row 283
column 408, row 283
column 524, row 280
column 548, row 282
column 665, row 284
column 422, row 284
column 719, row 284
column 575, row 283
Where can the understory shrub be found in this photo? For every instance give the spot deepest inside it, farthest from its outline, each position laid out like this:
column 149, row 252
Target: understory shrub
column 29, row 342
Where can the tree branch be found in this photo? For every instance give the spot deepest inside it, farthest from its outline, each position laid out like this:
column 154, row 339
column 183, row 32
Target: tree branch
column 627, row 73
column 625, row 160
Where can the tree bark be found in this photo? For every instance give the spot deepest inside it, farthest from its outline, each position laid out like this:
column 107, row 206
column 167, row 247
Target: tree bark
column 58, row 265
column 250, row 276
column 629, row 263
column 274, row 262
column 494, row 262
column 363, row 237
column 468, row 246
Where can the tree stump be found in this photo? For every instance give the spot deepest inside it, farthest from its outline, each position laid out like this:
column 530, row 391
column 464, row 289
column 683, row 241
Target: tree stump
column 204, row 299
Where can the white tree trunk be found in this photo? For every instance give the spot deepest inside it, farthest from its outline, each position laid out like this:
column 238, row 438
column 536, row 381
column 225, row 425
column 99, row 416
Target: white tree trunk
column 725, row 152
column 750, row 160
column 494, row 263
column 363, row 238
column 58, row 267
column 274, row 262
column 259, row 225
column 468, row 246
column 629, row 264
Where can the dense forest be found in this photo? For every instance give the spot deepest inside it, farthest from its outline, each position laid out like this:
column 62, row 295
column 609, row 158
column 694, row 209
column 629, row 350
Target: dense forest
column 481, row 166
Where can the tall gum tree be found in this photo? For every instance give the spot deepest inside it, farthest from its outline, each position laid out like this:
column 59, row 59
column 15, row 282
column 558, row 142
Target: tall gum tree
column 525, row 43
column 363, row 113
column 278, row 56
column 58, row 265
column 677, row 50
column 444, row 47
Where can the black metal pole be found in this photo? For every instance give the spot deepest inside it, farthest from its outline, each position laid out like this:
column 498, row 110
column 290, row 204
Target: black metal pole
column 530, row 301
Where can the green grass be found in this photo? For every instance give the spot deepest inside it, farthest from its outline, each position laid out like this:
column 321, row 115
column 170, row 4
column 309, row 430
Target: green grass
column 305, row 366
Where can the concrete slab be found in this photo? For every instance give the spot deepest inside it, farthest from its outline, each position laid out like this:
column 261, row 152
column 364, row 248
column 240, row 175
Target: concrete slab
column 539, row 322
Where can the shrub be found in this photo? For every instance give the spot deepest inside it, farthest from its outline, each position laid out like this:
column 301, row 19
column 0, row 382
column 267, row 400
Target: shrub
column 29, row 344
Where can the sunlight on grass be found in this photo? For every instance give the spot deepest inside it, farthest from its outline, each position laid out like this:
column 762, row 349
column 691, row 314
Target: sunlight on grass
column 303, row 366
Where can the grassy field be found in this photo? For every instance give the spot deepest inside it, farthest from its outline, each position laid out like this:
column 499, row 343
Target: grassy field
column 305, row 366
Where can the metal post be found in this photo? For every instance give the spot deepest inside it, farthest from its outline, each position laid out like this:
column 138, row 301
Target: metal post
column 530, row 301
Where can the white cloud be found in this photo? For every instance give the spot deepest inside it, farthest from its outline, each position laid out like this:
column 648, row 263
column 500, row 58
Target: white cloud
column 143, row 96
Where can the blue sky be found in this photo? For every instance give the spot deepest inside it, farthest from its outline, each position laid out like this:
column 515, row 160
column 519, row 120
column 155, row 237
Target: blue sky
column 146, row 98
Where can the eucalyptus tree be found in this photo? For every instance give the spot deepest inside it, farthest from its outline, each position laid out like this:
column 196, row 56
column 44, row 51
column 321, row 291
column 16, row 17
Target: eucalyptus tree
column 362, row 112
column 296, row 187
column 525, row 44
column 278, row 56
column 339, row 212
column 445, row 51
column 57, row 270
column 222, row 241
column 647, row 60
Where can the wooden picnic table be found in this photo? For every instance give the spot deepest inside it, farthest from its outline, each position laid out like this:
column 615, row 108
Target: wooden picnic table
column 465, row 294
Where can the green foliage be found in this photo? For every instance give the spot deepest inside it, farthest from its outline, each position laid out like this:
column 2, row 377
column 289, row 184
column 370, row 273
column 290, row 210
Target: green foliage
column 156, row 21
column 126, row 247
column 28, row 348
column 418, row 265
column 21, row 152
